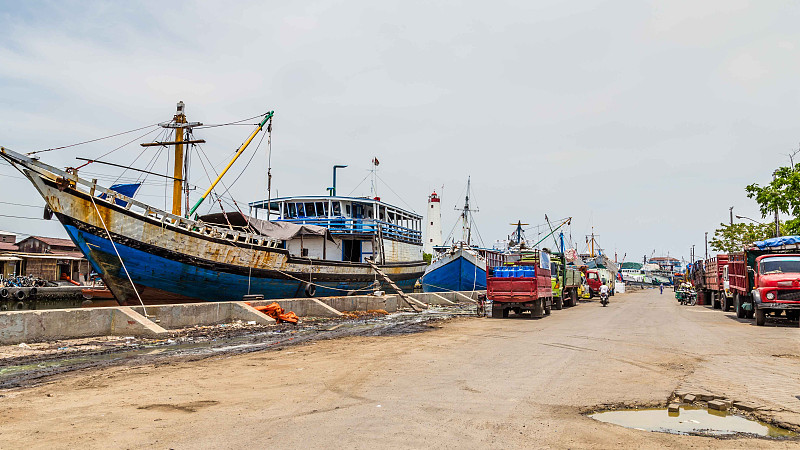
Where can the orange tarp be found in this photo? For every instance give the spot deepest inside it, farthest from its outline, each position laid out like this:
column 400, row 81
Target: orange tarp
column 275, row 311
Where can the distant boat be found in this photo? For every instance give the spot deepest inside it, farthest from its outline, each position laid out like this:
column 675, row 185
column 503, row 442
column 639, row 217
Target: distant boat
column 459, row 266
column 147, row 255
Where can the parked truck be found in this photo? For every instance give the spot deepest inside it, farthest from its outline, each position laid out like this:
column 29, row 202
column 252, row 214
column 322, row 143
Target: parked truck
column 713, row 288
column 521, row 287
column 565, row 282
column 765, row 279
column 592, row 281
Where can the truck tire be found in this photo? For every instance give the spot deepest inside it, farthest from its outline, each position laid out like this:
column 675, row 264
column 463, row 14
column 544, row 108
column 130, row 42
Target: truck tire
column 498, row 312
column 716, row 300
column 761, row 317
column 573, row 297
column 547, row 307
column 726, row 303
column 558, row 304
column 737, row 305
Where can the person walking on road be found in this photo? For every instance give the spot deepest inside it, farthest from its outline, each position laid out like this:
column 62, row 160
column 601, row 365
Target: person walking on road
column 661, row 287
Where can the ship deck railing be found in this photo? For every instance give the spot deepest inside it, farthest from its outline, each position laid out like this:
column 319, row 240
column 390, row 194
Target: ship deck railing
column 342, row 226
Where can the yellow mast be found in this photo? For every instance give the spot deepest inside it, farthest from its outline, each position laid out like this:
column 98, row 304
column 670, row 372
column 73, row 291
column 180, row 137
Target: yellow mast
column 260, row 126
column 177, row 184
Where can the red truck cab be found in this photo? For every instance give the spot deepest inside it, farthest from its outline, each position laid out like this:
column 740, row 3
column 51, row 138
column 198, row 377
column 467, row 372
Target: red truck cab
column 765, row 284
column 594, row 282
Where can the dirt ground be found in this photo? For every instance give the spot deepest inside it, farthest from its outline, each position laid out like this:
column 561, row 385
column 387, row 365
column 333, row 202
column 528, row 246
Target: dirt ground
column 468, row 383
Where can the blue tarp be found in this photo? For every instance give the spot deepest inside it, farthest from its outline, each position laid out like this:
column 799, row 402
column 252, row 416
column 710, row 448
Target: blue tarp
column 778, row 241
column 128, row 190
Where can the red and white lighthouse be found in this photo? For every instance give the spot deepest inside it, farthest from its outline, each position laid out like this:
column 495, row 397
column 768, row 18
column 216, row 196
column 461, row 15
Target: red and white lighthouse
column 433, row 236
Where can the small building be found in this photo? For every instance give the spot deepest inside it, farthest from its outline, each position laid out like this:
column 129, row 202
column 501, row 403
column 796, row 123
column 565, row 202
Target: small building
column 51, row 259
column 9, row 263
column 7, row 237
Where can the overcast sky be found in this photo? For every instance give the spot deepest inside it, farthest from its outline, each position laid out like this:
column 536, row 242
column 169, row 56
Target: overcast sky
column 644, row 119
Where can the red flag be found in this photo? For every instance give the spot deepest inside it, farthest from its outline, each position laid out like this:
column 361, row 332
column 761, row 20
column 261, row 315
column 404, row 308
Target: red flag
column 375, row 161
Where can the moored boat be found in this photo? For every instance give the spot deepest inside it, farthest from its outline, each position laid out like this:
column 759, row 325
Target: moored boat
column 147, row 255
column 459, row 266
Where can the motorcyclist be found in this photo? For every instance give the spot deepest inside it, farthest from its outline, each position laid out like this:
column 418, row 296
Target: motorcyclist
column 604, row 291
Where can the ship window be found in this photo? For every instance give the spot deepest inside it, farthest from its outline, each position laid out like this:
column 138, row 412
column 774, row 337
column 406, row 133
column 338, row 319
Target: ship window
column 347, row 209
column 431, row 223
column 321, row 209
column 337, row 209
column 291, row 211
column 304, row 252
column 310, row 209
column 431, row 206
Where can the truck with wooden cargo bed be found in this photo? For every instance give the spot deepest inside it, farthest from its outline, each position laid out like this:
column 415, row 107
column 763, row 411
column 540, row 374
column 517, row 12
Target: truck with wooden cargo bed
column 765, row 279
column 566, row 281
column 714, row 288
column 523, row 286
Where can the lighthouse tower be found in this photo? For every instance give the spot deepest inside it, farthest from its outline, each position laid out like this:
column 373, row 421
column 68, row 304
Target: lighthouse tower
column 433, row 236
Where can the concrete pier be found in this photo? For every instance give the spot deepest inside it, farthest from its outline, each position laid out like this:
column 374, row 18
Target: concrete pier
column 43, row 325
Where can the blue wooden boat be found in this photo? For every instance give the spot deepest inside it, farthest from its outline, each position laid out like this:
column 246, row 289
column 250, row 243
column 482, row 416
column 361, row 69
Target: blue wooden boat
column 149, row 256
column 459, row 266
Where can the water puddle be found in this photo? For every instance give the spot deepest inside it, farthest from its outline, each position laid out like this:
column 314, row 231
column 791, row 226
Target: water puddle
column 691, row 420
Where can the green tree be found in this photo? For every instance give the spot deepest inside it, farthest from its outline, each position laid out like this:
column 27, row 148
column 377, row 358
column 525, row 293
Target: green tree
column 735, row 238
column 781, row 194
column 427, row 257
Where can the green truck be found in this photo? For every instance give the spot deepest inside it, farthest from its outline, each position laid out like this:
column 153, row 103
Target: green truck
column 565, row 282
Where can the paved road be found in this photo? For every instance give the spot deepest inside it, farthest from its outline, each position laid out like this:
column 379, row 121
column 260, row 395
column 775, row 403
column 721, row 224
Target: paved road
column 472, row 383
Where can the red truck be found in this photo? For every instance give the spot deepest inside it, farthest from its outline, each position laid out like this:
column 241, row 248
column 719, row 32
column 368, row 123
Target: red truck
column 713, row 286
column 523, row 286
column 766, row 281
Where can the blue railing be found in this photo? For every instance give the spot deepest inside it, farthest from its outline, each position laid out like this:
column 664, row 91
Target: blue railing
column 343, row 227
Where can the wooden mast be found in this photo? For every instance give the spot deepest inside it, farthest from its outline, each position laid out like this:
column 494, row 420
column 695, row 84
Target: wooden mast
column 179, row 123
column 177, row 183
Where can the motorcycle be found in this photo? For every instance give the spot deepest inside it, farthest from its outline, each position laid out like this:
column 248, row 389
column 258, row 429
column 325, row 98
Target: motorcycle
column 604, row 299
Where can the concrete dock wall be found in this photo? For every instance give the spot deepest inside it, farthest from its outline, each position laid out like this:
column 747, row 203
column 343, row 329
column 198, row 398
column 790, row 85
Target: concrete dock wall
column 41, row 325
column 185, row 315
column 31, row 326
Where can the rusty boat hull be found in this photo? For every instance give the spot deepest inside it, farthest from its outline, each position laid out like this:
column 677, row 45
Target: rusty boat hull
column 148, row 255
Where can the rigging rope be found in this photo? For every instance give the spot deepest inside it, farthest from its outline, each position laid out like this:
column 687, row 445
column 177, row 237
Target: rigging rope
column 102, row 221
column 91, row 140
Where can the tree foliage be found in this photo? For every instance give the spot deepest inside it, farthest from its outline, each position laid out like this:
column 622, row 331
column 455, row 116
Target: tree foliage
column 735, row 238
column 781, row 194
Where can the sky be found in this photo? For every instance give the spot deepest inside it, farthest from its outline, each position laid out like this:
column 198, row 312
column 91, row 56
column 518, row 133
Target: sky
column 644, row 120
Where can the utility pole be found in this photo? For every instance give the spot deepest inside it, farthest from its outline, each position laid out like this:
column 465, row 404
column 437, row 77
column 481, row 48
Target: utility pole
column 731, row 208
column 777, row 220
column 706, row 245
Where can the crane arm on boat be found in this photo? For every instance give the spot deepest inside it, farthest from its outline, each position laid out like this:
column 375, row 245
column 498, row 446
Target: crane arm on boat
column 235, row 157
column 566, row 221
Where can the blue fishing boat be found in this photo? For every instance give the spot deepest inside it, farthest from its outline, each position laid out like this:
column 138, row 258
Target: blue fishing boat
column 459, row 266
column 146, row 255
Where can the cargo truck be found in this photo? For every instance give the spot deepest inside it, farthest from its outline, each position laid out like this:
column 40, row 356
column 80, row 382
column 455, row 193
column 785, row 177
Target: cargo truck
column 713, row 289
column 565, row 282
column 524, row 286
column 765, row 279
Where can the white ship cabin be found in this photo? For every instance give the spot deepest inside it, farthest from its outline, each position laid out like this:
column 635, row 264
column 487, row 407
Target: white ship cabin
column 361, row 228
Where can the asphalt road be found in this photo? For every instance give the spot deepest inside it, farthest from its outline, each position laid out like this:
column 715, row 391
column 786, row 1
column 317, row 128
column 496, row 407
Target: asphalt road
column 471, row 383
